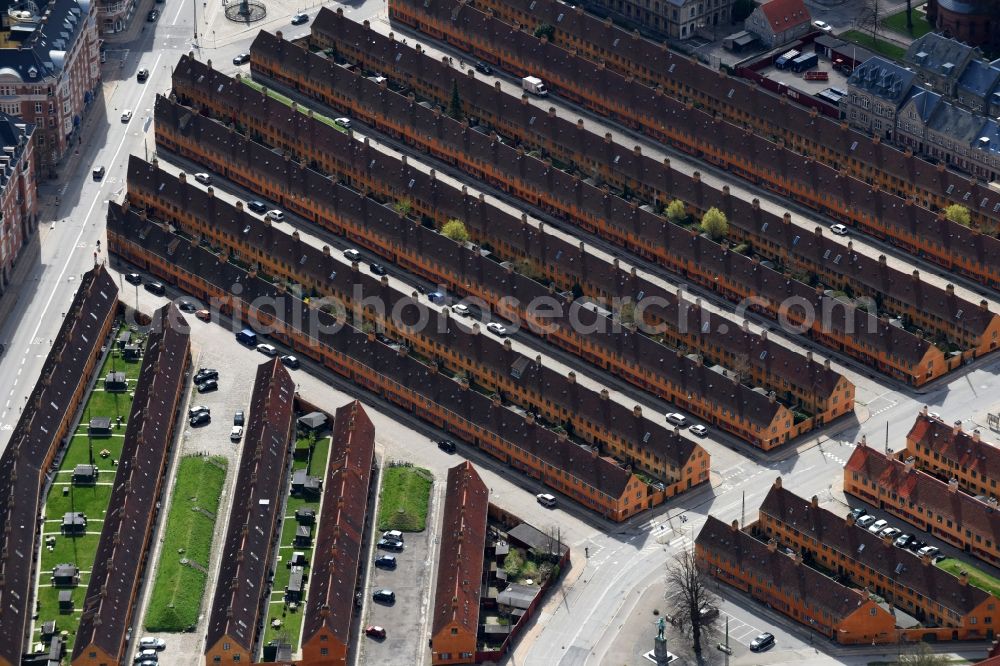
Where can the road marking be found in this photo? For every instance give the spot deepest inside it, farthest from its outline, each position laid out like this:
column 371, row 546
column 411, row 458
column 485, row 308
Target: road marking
column 83, row 227
column 178, row 16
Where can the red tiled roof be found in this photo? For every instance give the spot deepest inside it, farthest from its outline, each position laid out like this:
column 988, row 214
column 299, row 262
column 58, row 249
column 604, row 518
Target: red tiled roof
column 921, row 489
column 463, row 544
column 959, row 447
column 334, row 573
column 785, row 14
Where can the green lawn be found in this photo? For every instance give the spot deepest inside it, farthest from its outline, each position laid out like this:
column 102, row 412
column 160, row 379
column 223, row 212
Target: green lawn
column 980, row 579
column 179, row 589
column 897, row 23
column 291, row 618
column 405, row 494
column 287, row 101
column 880, row 46
column 91, row 500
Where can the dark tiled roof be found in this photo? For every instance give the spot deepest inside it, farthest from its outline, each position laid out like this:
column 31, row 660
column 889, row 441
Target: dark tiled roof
column 241, row 593
column 860, row 545
column 453, row 334
column 404, row 64
column 128, row 524
column 883, row 78
column 959, row 447
column 818, row 593
column 654, row 60
column 491, row 222
column 463, row 544
column 939, row 55
column 38, row 47
column 23, row 464
column 334, row 572
column 733, row 268
column 559, row 459
column 917, row 488
column 14, row 136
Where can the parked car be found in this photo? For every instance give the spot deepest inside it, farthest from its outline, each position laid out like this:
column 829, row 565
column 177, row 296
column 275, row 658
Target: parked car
column 289, row 361
column 208, row 385
column 266, row 349
column 200, row 419
column 186, row 306
column 204, row 315
column 351, row 254
column 678, row 420
column 447, row 446
column 152, row 15
column 258, row 207
column 236, row 433
column 199, row 409
column 915, row 545
column 496, row 329
column 376, row 269
column 239, row 418
column 99, row 173
column 928, row 551
column 205, row 374
column 156, row 288
column 142, row 75
column 903, row 540
column 546, row 499
column 708, row 613
column 878, row 526
column 865, row 521
column 823, row 25
column 241, row 59
column 394, row 535
column 300, row 18
column 483, row 68
column 144, row 655
column 375, row 631
column 699, row 430
column 461, row 309
column 126, row 115
column 343, row 122
column 385, row 561
column 435, row 297
column 275, row 215
column 133, row 278
column 890, row 533
column 203, row 178
column 149, row 643
column 762, row 642
column 385, row 596
column 389, row 544
column 839, row 229
column 857, row 513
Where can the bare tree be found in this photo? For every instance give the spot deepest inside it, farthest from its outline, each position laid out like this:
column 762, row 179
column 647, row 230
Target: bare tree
column 922, row 655
column 687, row 594
column 869, row 17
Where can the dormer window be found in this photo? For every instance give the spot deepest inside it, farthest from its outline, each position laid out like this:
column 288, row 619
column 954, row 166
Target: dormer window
column 32, row 72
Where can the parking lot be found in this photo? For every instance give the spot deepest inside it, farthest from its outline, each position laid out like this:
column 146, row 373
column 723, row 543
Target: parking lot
column 406, row 620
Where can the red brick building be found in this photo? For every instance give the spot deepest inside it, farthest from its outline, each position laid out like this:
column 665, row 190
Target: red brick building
column 975, row 22
column 18, row 192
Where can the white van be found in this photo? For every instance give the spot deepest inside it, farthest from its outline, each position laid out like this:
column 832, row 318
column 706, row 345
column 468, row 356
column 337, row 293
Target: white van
column 546, row 499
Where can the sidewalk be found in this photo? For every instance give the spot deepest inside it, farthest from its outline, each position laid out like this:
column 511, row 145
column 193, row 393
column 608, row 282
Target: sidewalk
column 135, row 28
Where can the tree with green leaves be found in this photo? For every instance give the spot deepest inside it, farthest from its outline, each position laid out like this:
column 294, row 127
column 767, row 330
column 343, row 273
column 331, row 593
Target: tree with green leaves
column 958, row 213
column 714, row 223
column 455, row 230
column 676, row 210
column 455, row 105
column 545, row 30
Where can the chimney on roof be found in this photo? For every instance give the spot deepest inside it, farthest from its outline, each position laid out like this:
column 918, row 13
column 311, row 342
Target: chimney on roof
column 696, row 176
column 637, row 150
column 607, row 137
column 506, row 344
column 909, row 464
column 735, row 526
column 815, row 501
column 953, row 485
column 772, row 546
column 637, row 411
column 571, row 378
column 864, row 441
column 923, row 411
column 819, row 231
column 950, row 288
column 809, row 356
column 975, row 435
column 963, row 577
column 182, row 177
column 777, row 482
column 604, row 394
column 916, row 275
column 957, row 428
column 984, row 305
column 849, row 520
